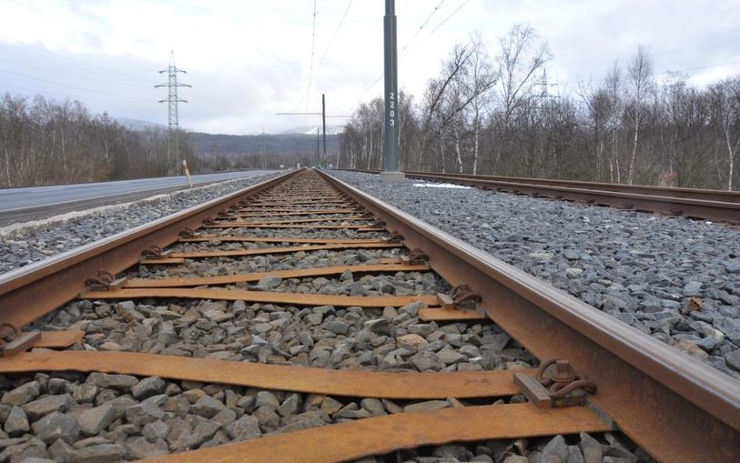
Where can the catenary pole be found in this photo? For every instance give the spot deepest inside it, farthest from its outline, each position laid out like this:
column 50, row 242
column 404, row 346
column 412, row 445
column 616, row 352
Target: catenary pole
column 390, row 141
column 323, row 121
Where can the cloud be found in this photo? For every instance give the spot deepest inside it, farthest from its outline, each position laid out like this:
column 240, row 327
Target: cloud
column 249, row 60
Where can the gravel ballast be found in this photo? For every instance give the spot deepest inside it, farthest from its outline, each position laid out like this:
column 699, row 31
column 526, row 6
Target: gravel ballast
column 22, row 244
column 96, row 417
column 643, row 269
column 387, row 339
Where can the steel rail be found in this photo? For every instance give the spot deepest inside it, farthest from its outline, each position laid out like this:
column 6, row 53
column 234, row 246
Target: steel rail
column 675, row 407
column 714, row 205
column 694, row 208
column 32, row 291
column 676, row 192
column 651, row 190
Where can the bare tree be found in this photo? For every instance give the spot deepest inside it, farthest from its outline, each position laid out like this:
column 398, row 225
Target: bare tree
column 726, row 108
column 442, row 103
column 519, row 62
column 627, row 129
column 453, row 103
column 640, row 72
column 55, row 142
column 613, row 91
column 480, row 82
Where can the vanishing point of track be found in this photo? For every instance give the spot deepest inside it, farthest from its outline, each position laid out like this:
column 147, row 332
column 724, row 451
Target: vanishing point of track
column 675, row 407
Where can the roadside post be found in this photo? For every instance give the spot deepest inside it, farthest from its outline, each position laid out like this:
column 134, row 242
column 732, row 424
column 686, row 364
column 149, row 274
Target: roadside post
column 187, row 172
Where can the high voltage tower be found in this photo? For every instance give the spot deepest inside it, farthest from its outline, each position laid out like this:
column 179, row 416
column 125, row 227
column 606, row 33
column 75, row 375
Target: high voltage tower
column 173, row 123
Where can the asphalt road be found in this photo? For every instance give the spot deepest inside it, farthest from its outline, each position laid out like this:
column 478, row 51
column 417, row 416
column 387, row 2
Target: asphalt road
column 18, row 199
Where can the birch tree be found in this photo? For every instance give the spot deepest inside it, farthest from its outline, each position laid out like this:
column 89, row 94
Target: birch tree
column 726, row 108
column 522, row 57
column 640, row 73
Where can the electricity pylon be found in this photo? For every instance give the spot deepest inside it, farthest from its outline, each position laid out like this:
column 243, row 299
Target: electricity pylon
column 173, row 123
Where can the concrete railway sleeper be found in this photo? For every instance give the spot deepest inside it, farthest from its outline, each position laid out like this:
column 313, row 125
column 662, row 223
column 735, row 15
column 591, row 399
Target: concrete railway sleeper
column 216, row 337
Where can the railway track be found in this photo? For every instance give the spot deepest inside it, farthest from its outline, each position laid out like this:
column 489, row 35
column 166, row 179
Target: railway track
column 718, row 205
column 239, row 296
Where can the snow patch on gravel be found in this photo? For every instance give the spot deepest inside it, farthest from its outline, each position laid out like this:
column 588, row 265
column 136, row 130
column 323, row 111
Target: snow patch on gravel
column 442, row 185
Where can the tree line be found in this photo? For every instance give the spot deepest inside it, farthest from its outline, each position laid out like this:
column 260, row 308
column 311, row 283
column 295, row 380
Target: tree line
column 500, row 115
column 46, row 142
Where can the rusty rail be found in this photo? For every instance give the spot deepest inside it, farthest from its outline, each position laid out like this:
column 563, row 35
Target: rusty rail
column 36, row 289
column 718, row 205
column 676, row 407
column 651, row 190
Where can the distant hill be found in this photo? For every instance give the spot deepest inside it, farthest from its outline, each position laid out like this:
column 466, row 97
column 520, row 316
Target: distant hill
column 283, row 144
column 296, row 141
column 313, row 130
column 138, row 124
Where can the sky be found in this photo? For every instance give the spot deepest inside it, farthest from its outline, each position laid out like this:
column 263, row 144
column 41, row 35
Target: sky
column 251, row 59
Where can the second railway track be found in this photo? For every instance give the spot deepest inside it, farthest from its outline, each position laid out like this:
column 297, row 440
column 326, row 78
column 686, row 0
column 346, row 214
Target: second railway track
column 723, row 206
column 230, row 303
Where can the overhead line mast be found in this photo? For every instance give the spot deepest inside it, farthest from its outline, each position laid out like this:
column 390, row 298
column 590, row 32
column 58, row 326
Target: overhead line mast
column 390, row 132
column 317, row 161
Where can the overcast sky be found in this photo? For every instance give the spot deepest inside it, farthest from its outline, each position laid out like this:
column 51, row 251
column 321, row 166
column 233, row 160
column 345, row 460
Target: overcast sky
column 249, row 59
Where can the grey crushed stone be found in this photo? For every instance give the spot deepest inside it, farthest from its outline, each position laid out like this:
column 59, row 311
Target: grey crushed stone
column 121, row 416
column 17, row 421
column 175, row 422
column 117, row 426
column 94, row 420
column 640, row 268
column 380, row 339
column 22, row 394
column 607, row 447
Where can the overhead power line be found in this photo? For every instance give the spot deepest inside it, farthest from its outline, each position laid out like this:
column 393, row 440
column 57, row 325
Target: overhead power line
column 44, row 13
column 60, row 95
column 65, row 74
column 423, row 25
column 731, row 63
column 82, row 62
column 662, row 73
column 336, row 31
column 418, row 31
column 310, row 62
column 448, row 18
column 59, row 84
